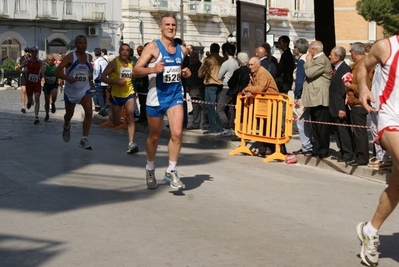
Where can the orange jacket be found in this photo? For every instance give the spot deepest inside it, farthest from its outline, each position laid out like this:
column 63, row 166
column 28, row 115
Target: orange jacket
column 353, row 89
column 262, row 81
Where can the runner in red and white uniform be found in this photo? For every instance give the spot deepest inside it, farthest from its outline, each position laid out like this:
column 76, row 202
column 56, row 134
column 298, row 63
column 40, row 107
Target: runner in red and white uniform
column 386, row 53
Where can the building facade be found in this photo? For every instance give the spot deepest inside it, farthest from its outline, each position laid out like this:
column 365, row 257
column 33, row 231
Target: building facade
column 350, row 27
column 52, row 25
column 212, row 21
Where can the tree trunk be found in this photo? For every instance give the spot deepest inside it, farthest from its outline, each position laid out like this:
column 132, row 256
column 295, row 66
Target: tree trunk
column 324, row 24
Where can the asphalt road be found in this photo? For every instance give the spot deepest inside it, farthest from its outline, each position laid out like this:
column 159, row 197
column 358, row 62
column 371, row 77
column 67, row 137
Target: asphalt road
column 61, row 205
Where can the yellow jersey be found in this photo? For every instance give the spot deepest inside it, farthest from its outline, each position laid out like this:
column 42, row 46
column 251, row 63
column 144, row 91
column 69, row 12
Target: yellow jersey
column 122, row 72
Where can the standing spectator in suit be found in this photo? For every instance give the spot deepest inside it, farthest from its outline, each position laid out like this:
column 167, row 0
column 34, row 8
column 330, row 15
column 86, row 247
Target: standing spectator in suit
column 304, row 128
column 60, row 81
column 133, row 59
column 339, row 111
column 104, row 54
column 240, row 76
column 315, row 96
column 186, row 63
column 358, row 112
column 22, row 82
column 269, row 54
column 100, row 64
column 260, row 53
column 286, row 66
column 226, row 71
column 213, row 86
column 142, row 90
column 195, row 86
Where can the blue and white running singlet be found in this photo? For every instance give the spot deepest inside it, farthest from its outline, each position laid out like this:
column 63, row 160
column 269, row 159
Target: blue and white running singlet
column 165, row 88
column 76, row 91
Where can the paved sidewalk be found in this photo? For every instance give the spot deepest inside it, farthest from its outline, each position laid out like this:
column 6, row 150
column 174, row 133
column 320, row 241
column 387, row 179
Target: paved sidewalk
column 197, row 136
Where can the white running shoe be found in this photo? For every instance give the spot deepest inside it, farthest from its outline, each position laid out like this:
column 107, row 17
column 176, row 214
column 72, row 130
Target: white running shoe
column 368, row 252
column 150, row 179
column 84, row 143
column 174, row 179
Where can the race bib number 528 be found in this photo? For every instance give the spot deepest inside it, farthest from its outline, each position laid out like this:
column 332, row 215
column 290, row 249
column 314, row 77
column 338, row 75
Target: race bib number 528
column 172, row 74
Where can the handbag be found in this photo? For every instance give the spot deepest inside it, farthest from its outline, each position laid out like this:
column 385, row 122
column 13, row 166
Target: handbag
column 233, row 91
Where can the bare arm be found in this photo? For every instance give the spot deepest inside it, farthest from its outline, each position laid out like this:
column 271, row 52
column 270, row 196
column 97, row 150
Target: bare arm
column 21, row 66
column 59, row 71
column 43, row 71
column 149, row 53
column 111, row 67
column 378, row 54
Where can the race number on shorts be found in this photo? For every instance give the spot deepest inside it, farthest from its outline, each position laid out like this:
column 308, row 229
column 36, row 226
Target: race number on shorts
column 33, row 78
column 51, row 79
column 172, row 74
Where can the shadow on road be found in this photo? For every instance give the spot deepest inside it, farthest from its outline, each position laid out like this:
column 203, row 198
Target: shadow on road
column 18, row 251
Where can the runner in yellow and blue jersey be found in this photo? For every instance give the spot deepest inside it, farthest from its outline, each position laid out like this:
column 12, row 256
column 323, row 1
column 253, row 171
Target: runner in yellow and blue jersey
column 118, row 74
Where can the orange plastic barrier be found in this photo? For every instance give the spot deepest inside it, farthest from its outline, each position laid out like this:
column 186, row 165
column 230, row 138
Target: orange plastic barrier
column 123, row 114
column 262, row 118
column 122, row 126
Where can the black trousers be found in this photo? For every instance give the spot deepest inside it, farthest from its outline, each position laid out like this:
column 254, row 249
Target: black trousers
column 142, row 91
column 359, row 117
column 320, row 132
column 344, row 138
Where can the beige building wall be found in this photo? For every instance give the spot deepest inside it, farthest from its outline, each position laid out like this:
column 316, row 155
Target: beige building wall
column 351, row 27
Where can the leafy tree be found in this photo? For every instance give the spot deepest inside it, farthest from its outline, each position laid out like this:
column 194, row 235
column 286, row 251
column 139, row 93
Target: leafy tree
column 384, row 12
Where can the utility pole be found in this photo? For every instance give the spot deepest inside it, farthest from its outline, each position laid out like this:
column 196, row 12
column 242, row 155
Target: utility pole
column 181, row 20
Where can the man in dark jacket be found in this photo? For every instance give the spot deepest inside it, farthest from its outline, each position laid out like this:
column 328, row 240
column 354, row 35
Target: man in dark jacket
column 339, row 111
column 260, row 53
column 196, row 89
column 285, row 67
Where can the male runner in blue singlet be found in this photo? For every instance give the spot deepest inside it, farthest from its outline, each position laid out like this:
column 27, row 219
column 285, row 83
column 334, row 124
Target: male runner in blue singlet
column 161, row 60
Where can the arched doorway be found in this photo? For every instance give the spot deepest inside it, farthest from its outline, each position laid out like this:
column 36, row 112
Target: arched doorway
column 57, row 46
column 10, row 47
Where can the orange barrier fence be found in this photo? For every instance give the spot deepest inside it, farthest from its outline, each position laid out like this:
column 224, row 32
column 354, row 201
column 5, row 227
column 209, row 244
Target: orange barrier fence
column 121, row 126
column 123, row 114
column 265, row 117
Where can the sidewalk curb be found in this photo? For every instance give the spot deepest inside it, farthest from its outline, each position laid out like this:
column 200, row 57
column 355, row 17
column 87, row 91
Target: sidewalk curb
column 197, row 137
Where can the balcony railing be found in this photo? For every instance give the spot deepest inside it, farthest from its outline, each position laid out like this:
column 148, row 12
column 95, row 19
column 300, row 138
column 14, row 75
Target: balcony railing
column 84, row 11
column 302, row 16
column 22, row 6
column 164, row 5
column 227, row 10
column 4, row 11
column 203, row 8
column 49, row 9
column 293, row 16
column 53, row 9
